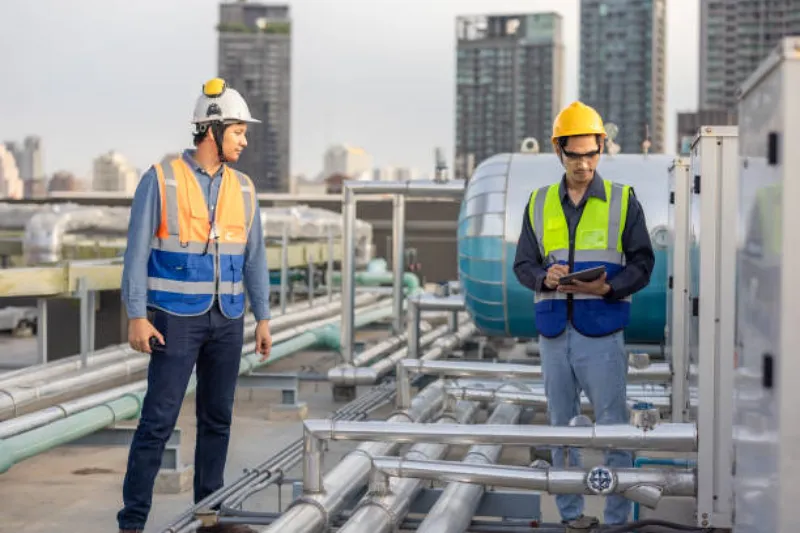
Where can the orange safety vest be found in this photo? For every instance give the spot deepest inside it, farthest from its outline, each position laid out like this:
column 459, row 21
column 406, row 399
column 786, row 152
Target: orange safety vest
column 192, row 258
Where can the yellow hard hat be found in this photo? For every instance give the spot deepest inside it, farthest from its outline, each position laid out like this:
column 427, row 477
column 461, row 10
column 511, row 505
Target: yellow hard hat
column 577, row 119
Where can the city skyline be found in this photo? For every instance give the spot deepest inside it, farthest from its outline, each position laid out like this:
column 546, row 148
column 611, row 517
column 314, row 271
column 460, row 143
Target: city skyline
column 395, row 97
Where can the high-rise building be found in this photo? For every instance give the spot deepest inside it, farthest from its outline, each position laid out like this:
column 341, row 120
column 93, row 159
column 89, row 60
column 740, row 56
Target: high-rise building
column 351, row 161
column 509, row 78
column 11, row 186
column 735, row 36
column 255, row 59
column 623, row 68
column 113, row 173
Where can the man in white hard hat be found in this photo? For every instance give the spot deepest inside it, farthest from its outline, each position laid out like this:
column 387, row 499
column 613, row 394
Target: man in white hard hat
column 195, row 245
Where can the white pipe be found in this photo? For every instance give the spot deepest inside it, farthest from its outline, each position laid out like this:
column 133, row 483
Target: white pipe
column 644, row 485
column 311, row 512
column 664, row 437
column 350, row 190
column 382, row 511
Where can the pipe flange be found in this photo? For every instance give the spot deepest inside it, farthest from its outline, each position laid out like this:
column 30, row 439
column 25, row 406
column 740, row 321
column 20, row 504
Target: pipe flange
column 401, row 413
column 311, row 500
column 601, row 481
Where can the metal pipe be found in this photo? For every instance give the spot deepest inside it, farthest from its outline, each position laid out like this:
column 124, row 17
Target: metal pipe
column 16, row 397
column 123, row 350
column 348, row 272
column 533, row 398
column 383, row 511
column 366, row 375
column 458, row 502
column 284, row 266
column 664, row 437
column 311, row 512
column 428, row 302
column 645, row 486
column 33, row 442
column 655, row 372
column 384, row 347
column 329, row 285
column 350, row 190
column 398, row 259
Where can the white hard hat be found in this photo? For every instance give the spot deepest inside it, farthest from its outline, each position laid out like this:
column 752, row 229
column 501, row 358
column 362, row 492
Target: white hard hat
column 221, row 103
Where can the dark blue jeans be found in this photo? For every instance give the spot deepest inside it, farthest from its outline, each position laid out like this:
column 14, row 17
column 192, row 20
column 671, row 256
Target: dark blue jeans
column 214, row 344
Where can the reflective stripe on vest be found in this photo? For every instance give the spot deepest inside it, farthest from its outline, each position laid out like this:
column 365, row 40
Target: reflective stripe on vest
column 192, row 259
column 598, row 242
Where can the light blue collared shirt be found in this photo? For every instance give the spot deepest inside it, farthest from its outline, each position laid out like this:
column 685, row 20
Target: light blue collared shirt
column 144, row 221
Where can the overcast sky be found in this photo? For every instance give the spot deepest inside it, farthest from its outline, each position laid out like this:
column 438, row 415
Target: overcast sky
column 93, row 75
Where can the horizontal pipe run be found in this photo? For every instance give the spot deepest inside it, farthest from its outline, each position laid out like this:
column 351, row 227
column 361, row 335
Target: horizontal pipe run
column 654, row 372
column 381, row 511
column 457, row 504
column 16, row 398
column 645, row 486
column 367, row 375
column 384, row 347
column 25, row 445
column 536, row 399
column 422, row 188
column 312, row 512
column 664, row 437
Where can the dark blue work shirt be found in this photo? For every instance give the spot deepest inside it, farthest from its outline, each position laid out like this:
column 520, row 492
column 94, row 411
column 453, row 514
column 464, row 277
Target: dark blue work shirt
column 529, row 264
column 145, row 219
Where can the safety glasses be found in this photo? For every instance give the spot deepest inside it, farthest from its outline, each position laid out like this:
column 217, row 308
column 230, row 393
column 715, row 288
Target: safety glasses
column 576, row 156
column 214, row 88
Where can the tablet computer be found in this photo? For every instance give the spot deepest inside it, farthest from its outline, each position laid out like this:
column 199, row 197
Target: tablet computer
column 590, row 274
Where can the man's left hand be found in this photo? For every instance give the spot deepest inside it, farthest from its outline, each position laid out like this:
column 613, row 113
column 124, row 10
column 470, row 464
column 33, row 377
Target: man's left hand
column 598, row 287
column 263, row 339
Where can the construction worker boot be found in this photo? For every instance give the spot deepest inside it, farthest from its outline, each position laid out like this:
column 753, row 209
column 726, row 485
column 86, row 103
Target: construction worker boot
column 131, row 531
column 582, row 524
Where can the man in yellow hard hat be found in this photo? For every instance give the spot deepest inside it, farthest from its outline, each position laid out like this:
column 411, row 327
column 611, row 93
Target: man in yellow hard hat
column 580, row 222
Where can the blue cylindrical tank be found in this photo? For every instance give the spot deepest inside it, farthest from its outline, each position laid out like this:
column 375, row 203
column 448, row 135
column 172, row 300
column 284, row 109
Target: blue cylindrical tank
column 491, row 219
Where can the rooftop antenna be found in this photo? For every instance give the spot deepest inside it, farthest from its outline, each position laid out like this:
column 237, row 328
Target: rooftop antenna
column 646, row 143
column 440, row 167
column 612, row 131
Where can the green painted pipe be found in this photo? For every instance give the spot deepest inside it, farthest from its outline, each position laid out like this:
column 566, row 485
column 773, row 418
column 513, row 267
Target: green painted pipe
column 25, row 445
column 370, row 279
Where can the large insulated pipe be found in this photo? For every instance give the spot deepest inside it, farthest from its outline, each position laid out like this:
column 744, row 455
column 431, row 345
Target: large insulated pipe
column 36, row 441
column 382, row 511
column 664, row 437
column 350, row 190
column 457, row 504
column 312, row 511
column 642, row 485
column 420, row 302
column 384, row 347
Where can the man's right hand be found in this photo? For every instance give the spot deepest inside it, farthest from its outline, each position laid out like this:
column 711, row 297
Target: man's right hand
column 140, row 330
column 554, row 273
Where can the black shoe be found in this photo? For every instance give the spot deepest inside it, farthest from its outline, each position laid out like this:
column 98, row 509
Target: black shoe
column 582, row 523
